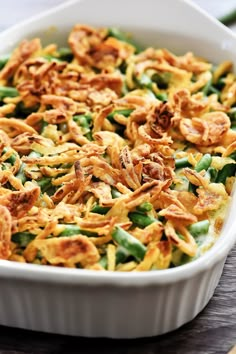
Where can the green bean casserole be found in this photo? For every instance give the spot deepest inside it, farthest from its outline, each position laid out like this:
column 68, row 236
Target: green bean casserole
column 113, row 157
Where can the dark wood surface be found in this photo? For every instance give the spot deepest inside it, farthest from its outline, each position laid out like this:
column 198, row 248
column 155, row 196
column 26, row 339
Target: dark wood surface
column 213, row 331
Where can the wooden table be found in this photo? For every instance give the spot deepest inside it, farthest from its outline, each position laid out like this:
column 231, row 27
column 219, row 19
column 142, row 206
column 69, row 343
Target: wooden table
column 213, row 331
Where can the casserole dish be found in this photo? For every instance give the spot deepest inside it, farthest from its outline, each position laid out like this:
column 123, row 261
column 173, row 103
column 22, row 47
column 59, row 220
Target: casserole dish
column 107, row 304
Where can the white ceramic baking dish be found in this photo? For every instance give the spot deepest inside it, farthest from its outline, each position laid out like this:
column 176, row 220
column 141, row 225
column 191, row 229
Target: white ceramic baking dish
column 106, row 304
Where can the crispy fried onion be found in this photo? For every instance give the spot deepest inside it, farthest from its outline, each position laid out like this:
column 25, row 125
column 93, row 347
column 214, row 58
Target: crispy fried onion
column 91, row 47
column 211, row 196
column 187, row 62
column 207, row 130
column 149, row 191
column 151, row 233
column 159, row 119
column 145, row 135
column 19, row 55
column 97, row 138
column 150, row 125
column 175, row 213
column 185, row 105
column 187, row 245
column 36, row 77
column 19, row 203
column 102, row 81
column 14, row 127
column 158, row 256
column 73, row 186
column 137, row 170
column 74, row 249
column 158, row 167
column 22, row 143
column 101, row 191
column 131, row 177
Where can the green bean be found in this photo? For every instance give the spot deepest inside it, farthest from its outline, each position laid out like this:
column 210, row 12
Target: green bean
column 209, row 89
column 179, row 258
column 115, row 193
column 213, row 89
column 233, row 127
column 89, row 136
column 206, row 88
column 65, row 54
column 192, row 188
column 124, row 89
column 232, row 114
column 71, row 229
column 12, row 158
column 50, row 58
column 162, row 96
column 194, row 78
column 229, row 18
column 199, row 228
column 84, row 120
column 103, row 261
column 116, row 33
column 212, row 172
column 21, row 174
column 34, row 154
column 220, row 83
column 204, row 163
column 23, row 238
column 100, row 210
column 8, row 92
column 150, row 93
column 123, row 67
column 22, row 111
column 3, row 62
column 233, row 155
column 124, row 112
column 227, row 171
column 3, row 167
column 141, row 220
column 43, row 125
column 161, row 218
column 180, row 235
column 129, row 242
column 44, row 183
column 186, row 259
column 182, row 162
column 145, row 81
column 144, row 207
column 161, row 79
column 121, row 255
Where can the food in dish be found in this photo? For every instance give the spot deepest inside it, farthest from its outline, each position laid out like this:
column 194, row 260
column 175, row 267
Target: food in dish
column 113, row 157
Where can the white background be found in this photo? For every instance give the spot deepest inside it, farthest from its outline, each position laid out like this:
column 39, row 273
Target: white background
column 14, row 11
